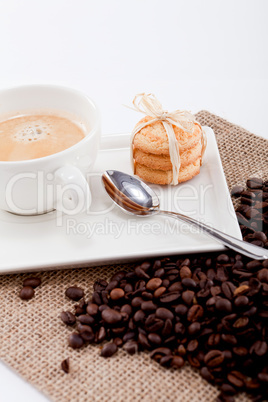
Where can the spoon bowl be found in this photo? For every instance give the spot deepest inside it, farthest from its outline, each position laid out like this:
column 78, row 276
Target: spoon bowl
column 130, row 193
column 134, row 196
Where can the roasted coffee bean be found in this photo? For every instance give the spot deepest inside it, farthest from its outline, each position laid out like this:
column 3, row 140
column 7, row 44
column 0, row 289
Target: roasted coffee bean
column 188, row 283
column 263, row 275
column 254, row 265
column 80, row 308
column 164, row 313
column 175, row 287
column 131, row 347
column 165, row 361
column 247, row 200
column 74, row 293
column 188, row 297
column 185, row 272
column 158, row 353
column 240, row 351
column 166, row 283
column 159, row 273
column 101, row 334
column 229, row 338
column 170, row 297
column 26, row 293
column 167, row 329
column 139, row 316
column 153, row 284
column 228, row 289
column 182, row 350
column 118, row 276
column 192, row 359
column 128, row 288
column 181, row 310
column 103, row 307
column 241, row 290
column 86, row 332
column 68, row 318
column 154, row 338
column 141, row 273
column 75, row 340
column 192, row 346
column 148, row 306
column 195, row 313
column 223, row 305
column 255, row 182
column 177, row 362
column 214, row 358
column 32, row 281
column 259, row 348
column 214, row 340
column 92, row 309
column 215, row 290
column 156, row 265
column 223, row 258
column 241, row 301
column 100, row 284
column 194, row 328
column 263, row 377
column 237, row 190
column 111, row 316
column 206, row 374
column 118, row 342
column 109, row 349
column 248, row 194
column 153, row 324
column 143, row 341
column 236, row 378
column 126, row 308
column 111, row 285
column 129, row 336
column 228, row 389
column 117, row 293
column 65, row 365
column 136, row 302
column 159, row 292
column 86, row 319
column 96, row 298
column 241, row 322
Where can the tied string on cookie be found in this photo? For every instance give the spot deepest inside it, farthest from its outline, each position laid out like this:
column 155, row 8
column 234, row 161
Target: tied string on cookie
column 149, row 105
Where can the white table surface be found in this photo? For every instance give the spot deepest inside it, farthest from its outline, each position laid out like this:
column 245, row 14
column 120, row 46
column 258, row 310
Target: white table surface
column 191, row 54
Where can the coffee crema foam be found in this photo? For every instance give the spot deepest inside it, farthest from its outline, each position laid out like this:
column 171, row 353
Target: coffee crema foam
column 37, row 135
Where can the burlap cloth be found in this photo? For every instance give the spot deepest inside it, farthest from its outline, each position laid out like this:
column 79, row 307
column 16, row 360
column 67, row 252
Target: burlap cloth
column 34, row 341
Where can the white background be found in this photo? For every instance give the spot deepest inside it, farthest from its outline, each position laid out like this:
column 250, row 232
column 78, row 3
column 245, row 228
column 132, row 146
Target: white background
column 192, row 54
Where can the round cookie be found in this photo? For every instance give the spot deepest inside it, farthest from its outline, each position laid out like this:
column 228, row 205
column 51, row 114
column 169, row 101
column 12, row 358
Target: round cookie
column 165, row 176
column 162, row 162
column 153, row 138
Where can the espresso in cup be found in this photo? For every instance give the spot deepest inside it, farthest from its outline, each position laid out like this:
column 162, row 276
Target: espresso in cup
column 36, row 135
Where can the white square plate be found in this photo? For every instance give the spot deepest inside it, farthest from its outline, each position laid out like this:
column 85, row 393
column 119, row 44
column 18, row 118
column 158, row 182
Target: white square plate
column 105, row 234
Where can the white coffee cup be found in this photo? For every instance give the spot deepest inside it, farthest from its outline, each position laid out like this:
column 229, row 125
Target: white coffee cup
column 57, row 181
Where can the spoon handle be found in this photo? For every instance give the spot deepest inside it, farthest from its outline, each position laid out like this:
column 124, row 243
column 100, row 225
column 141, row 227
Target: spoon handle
column 250, row 250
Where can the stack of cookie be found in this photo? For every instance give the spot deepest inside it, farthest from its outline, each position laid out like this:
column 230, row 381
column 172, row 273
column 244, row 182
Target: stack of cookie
column 151, row 153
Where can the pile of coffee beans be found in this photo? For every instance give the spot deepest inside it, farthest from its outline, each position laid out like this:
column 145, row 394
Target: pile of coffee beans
column 252, row 213
column 29, row 284
column 208, row 310
column 211, row 312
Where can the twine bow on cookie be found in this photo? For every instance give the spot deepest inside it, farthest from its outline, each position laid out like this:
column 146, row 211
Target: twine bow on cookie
column 149, row 105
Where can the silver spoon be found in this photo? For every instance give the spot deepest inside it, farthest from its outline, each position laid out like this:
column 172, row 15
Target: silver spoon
column 133, row 195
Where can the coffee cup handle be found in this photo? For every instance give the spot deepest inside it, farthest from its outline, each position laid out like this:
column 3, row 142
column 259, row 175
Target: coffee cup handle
column 72, row 193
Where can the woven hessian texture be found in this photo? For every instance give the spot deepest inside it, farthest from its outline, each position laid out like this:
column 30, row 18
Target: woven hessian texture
column 34, row 340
